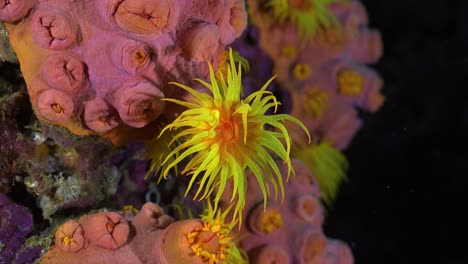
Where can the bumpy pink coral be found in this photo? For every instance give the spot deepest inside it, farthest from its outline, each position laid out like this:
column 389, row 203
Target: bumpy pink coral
column 325, row 76
column 14, row 10
column 267, row 234
column 107, row 237
column 70, row 237
column 103, row 66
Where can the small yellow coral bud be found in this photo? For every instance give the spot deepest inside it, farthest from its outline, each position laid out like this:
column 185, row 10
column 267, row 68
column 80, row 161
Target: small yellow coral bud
column 67, row 240
column 289, row 51
column 271, row 221
column 316, row 102
column 301, row 71
column 350, row 82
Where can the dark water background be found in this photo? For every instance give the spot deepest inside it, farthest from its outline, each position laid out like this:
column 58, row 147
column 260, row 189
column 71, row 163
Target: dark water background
column 407, row 199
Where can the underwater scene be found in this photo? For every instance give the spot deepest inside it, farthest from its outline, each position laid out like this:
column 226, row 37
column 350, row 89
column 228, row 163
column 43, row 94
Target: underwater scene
column 233, row 131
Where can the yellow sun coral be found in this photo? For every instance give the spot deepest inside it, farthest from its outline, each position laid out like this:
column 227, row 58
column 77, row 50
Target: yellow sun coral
column 328, row 165
column 226, row 136
column 309, row 16
column 213, row 242
column 224, row 64
column 158, row 149
column 316, row 102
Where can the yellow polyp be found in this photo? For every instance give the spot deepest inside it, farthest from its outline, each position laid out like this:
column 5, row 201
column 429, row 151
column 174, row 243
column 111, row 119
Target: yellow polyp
column 226, row 138
column 271, row 221
column 316, row 102
column 289, row 51
column 225, row 63
column 302, row 71
column 309, row 16
column 350, row 82
column 328, row 165
column 67, row 240
column 213, row 243
column 130, row 209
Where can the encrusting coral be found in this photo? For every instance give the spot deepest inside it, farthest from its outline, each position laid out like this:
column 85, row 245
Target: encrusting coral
column 102, row 67
column 150, row 236
column 267, row 234
column 309, row 16
column 227, row 136
column 160, row 71
column 324, row 77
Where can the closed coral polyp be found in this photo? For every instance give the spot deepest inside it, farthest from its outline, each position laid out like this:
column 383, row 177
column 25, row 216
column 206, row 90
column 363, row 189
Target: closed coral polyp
column 69, row 237
column 64, row 72
column 108, row 230
column 138, row 102
column 350, row 82
column 143, row 17
column 13, row 10
column 55, row 106
column 54, row 30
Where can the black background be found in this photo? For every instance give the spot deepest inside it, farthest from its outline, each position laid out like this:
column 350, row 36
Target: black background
column 407, row 198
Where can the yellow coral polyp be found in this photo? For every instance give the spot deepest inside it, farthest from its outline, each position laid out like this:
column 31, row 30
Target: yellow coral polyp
column 328, row 165
column 271, row 221
column 350, row 82
column 316, row 102
column 309, row 16
column 227, row 139
column 213, row 242
column 158, row 149
column 67, row 240
column 130, row 209
column 289, row 51
column 224, row 63
column 302, row 71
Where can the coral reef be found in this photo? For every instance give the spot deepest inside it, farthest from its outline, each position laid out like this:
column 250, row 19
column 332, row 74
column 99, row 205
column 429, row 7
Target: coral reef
column 328, row 70
column 150, row 236
column 103, row 66
column 14, row 148
column 105, row 73
column 15, row 225
column 67, row 171
column 324, row 77
column 228, row 135
column 267, row 234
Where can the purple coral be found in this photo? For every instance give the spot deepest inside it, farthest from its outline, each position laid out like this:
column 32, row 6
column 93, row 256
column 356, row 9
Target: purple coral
column 15, row 225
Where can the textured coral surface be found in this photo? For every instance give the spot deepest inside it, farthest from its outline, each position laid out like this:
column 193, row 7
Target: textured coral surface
column 289, row 231
column 114, row 237
column 325, row 77
column 103, row 66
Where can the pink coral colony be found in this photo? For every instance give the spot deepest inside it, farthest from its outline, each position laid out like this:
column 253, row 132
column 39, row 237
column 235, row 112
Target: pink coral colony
column 103, row 67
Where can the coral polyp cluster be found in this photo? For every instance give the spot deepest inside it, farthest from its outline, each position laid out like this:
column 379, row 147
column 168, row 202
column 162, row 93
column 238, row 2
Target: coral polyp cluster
column 227, row 135
column 102, row 67
column 155, row 78
column 214, row 242
column 309, row 16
